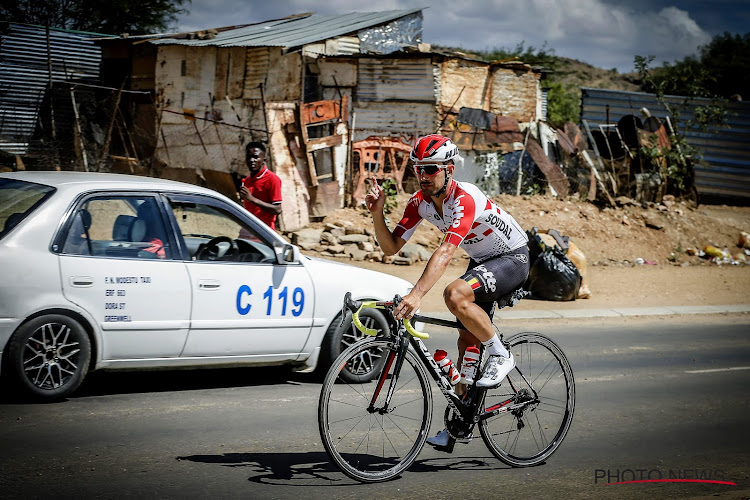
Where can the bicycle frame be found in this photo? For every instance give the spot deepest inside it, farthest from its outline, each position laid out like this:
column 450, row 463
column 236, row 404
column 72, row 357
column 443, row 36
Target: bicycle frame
column 469, row 411
column 373, row 424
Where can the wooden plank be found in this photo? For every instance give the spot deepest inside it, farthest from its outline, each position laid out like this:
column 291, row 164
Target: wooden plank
column 324, row 142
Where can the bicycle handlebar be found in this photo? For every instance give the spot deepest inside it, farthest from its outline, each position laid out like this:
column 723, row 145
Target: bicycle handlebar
column 355, row 306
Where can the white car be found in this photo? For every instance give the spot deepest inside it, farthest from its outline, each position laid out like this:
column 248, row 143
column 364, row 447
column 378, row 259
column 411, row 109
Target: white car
column 104, row 271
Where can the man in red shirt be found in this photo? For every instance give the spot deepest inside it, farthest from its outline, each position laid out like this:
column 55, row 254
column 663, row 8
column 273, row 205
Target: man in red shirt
column 261, row 190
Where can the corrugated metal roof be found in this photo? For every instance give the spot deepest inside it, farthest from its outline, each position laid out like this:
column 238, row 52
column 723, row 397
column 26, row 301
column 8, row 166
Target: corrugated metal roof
column 725, row 152
column 295, row 32
column 25, row 75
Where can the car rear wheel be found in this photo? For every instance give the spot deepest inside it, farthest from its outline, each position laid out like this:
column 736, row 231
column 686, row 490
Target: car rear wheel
column 340, row 336
column 49, row 356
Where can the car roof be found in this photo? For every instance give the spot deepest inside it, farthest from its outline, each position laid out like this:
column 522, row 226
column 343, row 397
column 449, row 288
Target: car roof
column 99, row 180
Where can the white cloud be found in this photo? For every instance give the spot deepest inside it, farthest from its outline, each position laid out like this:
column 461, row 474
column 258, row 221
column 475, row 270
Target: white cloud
column 603, row 34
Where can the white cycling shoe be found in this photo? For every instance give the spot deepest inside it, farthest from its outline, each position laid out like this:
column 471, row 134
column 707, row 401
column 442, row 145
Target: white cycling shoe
column 498, row 367
column 442, row 438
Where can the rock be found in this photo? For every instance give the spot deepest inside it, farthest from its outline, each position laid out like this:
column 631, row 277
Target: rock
column 351, row 248
column 402, row 261
column 353, row 238
column 338, row 232
column 307, row 234
column 366, row 246
column 625, row 201
column 308, row 244
column 653, row 224
column 415, row 252
column 359, row 255
column 355, row 230
column 337, row 249
column 377, row 256
column 328, row 237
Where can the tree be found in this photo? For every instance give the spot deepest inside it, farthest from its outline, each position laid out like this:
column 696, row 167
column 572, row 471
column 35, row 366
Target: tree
column 722, row 69
column 692, row 78
column 97, row 16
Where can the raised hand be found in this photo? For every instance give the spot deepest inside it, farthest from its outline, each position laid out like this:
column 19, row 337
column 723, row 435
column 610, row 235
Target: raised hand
column 375, row 199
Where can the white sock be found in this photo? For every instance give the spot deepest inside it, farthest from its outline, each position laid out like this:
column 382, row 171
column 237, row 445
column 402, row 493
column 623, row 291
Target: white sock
column 495, row 347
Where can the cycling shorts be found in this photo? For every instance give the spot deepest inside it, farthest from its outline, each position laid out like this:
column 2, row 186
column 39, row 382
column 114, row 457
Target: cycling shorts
column 497, row 276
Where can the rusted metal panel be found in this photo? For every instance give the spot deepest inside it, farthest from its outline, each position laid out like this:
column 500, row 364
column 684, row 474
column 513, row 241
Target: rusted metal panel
column 464, row 84
column 337, row 72
column 230, row 72
column 321, row 111
column 407, row 119
column 396, row 79
column 284, row 78
column 726, row 158
column 257, row 62
column 295, row 195
column 25, row 75
column 515, row 93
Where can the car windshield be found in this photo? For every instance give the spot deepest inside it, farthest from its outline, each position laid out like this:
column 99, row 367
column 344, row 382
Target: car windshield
column 17, row 200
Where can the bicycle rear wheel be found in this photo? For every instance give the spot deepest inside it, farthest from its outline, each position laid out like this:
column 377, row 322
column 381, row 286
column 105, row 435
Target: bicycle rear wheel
column 373, row 444
column 529, row 435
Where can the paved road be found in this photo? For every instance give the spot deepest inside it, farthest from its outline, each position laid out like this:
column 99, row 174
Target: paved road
column 654, row 394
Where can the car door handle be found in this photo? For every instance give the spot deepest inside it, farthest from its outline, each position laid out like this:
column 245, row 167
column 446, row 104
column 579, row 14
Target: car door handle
column 209, row 284
column 81, row 281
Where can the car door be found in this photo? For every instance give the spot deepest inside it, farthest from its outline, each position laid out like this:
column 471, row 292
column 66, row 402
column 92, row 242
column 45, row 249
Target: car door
column 244, row 302
column 118, row 263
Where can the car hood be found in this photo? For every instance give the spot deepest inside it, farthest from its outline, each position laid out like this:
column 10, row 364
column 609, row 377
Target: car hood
column 363, row 283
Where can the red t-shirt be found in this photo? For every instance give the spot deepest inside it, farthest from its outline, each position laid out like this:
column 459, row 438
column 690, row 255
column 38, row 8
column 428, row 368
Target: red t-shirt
column 266, row 186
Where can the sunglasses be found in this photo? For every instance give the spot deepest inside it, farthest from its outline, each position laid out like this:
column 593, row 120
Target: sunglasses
column 428, row 169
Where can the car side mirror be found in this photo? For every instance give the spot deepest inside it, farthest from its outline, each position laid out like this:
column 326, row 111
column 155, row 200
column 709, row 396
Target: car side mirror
column 284, row 253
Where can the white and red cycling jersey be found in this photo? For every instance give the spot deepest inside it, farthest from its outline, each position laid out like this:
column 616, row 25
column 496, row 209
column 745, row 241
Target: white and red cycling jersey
column 469, row 220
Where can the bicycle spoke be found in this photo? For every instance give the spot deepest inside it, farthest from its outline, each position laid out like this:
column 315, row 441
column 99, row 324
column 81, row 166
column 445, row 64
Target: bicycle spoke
column 533, row 429
column 367, row 446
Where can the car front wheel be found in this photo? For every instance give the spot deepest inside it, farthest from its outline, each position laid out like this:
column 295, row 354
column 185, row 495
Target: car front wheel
column 340, row 336
column 49, row 356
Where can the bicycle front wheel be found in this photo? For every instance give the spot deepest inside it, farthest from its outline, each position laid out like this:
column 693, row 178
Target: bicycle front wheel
column 543, row 380
column 366, row 439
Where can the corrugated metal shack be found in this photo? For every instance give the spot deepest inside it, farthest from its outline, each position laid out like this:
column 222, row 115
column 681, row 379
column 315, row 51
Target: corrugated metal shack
column 726, row 156
column 34, row 59
column 333, row 96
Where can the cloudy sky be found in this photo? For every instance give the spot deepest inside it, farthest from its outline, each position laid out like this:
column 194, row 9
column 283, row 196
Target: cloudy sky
column 604, row 33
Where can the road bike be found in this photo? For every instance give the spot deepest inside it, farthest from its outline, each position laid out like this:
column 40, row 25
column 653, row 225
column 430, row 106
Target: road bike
column 376, row 406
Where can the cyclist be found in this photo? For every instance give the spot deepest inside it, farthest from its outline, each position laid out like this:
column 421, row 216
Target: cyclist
column 468, row 218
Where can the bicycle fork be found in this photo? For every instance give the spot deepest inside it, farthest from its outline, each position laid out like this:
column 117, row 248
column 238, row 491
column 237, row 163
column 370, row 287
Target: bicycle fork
column 397, row 355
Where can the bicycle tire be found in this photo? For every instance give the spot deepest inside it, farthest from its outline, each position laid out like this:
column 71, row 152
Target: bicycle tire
column 369, row 446
column 529, row 437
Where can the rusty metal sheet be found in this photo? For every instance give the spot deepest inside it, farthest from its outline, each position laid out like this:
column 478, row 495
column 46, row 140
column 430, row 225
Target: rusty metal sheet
column 396, row 79
column 321, row 111
column 337, row 72
column 295, row 196
column 257, row 61
column 284, row 78
column 407, row 119
column 554, row 174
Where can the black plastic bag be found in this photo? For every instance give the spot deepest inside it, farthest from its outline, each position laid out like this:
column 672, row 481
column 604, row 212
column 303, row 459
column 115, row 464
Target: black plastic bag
column 553, row 276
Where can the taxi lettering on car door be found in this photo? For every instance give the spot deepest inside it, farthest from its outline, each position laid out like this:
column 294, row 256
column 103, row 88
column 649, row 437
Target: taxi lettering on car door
column 244, row 301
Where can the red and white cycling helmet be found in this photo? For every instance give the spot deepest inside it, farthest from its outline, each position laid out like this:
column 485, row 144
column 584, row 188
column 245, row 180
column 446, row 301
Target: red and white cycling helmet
column 433, row 147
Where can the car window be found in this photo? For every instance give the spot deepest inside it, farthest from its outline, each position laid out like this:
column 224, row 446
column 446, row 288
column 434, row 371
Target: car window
column 213, row 233
column 118, row 226
column 17, row 200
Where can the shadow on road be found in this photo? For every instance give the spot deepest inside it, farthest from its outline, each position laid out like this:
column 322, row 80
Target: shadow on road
column 104, row 383
column 315, row 468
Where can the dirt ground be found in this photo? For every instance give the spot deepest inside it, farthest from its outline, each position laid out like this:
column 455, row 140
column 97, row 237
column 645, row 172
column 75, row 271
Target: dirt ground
column 612, row 239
